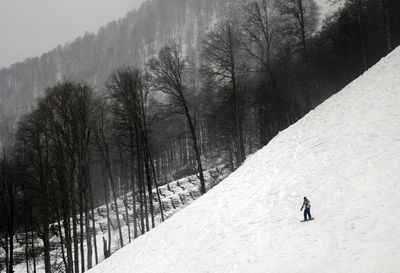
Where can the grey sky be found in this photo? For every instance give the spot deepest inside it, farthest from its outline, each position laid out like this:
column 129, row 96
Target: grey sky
column 31, row 27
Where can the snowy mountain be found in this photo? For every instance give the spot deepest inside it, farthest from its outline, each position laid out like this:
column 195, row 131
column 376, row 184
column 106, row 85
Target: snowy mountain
column 344, row 156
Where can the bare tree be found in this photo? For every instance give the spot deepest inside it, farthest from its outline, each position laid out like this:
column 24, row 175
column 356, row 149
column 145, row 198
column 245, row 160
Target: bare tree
column 33, row 134
column 302, row 20
column 223, row 56
column 102, row 129
column 55, row 138
column 9, row 200
column 386, row 16
column 128, row 89
column 261, row 33
column 170, row 74
column 358, row 7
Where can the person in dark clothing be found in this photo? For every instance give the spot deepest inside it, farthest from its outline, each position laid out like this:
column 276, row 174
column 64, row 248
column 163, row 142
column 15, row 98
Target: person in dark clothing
column 307, row 206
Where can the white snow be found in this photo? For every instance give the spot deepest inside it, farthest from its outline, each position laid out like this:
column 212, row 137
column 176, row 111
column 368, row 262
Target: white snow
column 344, row 155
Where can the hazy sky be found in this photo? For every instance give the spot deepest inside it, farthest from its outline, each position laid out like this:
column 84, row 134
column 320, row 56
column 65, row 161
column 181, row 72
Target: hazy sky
column 31, row 27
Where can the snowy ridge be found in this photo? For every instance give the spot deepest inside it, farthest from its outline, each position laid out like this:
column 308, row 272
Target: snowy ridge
column 344, row 155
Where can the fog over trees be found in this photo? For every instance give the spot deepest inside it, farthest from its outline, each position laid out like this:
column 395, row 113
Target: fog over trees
column 169, row 91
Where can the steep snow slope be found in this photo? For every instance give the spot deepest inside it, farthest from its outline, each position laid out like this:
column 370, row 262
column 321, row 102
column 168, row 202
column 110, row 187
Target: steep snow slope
column 344, row 155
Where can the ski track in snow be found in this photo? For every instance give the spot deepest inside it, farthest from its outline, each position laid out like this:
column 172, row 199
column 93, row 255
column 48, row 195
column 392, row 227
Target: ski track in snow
column 344, row 155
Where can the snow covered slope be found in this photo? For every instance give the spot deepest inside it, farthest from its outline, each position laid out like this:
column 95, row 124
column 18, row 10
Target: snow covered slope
column 344, row 155
column 174, row 196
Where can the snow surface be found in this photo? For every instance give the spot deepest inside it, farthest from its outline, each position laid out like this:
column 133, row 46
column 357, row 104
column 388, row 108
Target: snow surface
column 344, row 155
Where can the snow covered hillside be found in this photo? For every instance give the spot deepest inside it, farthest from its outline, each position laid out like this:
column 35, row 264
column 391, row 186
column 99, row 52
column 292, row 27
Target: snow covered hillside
column 174, row 196
column 344, row 155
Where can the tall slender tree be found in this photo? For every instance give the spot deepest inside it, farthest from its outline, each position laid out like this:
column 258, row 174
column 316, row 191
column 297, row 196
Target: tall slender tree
column 171, row 75
column 223, row 57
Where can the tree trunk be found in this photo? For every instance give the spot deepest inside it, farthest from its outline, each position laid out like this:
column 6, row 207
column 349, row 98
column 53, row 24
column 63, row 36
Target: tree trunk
column 302, row 28
column 74, row 227
column 235, row 100
column 61, row 239
column 146, row 206
column 81, row 226
column 386, row 16
column 7, row 261
column 195, row 148
column 106, row 250
column 32, row 243
column 26, row 244
column 45, row 223
column 11, row 253
column 67, row 228
column 362, row 34
column 238, row 132
column 158, row 190
column 88, row 229
column 135, row 231
column 124, row 183
column 141, row 203
column 93, row 223
column 106, row 194
column 106, row 158
column 114, row 194
column 141, row 180
column 148, row 178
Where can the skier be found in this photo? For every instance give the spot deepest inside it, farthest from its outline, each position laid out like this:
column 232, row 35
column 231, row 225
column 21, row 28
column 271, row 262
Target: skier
column 306, row 205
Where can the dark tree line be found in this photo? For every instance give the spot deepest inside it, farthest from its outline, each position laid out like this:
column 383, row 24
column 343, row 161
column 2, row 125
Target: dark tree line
column 261, row 70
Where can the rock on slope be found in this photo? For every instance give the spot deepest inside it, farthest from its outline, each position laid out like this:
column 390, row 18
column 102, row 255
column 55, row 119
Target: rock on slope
column 344, row 155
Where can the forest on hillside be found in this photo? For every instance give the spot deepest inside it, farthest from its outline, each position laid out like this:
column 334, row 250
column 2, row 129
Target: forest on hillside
column 261, row 68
